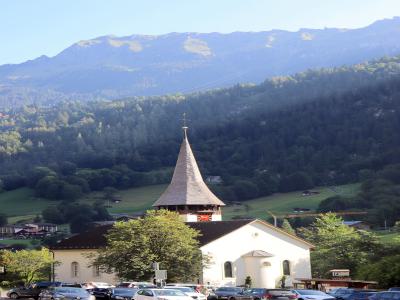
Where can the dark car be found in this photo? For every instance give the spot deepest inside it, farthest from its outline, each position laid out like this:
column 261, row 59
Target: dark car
column 123, row 293
column 281, row 294
column 233, row 293
column 31, row 291
column 389, row 295
column 361, row 295
column 101, row 293
column 352, row 294
column 65, row 293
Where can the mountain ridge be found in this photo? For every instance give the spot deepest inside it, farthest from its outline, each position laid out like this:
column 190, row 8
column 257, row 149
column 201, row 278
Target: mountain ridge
column 111, row 67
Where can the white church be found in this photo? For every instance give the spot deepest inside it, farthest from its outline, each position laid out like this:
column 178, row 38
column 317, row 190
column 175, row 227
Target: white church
column 237, row 248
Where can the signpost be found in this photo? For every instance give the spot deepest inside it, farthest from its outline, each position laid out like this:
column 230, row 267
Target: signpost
column 160, row 275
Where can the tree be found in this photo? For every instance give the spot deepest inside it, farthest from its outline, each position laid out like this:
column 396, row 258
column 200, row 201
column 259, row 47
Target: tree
column 386, row 271
column 296, row 181
column 287, row 227
column 338, row 245
column 3, row 219
column 28, row 265
column 161, row 236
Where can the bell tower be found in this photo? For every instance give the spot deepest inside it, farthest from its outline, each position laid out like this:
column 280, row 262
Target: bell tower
column 187, row 193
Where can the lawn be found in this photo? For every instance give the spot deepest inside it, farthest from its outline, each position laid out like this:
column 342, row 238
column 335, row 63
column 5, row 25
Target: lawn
column 284, row 203
column 389, row 237
column 133, row 200
column 27, row 242
column 22, row 202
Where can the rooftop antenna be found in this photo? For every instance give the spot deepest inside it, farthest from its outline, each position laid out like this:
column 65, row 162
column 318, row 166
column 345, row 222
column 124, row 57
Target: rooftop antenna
column 184, row 127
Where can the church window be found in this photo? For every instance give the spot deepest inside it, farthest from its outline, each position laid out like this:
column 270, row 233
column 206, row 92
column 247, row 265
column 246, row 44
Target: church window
column 74, row 269
column 228, row 269
column 286, row 267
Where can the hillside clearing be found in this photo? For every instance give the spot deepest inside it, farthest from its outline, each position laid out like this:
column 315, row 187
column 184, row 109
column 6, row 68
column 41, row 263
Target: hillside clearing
column 286, row 202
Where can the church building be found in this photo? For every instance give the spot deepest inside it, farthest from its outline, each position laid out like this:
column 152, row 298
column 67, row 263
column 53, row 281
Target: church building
column 236, row 249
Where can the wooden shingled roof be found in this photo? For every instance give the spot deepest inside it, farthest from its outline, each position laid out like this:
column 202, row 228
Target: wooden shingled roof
column 187, row 186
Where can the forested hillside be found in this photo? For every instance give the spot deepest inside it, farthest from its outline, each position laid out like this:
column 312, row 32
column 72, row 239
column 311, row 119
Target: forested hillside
column 111, row 67
column 320, row 127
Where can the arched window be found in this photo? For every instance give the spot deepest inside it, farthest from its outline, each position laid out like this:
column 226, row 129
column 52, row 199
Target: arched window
column 286, row 267
column 228, row 269
column 74, row 269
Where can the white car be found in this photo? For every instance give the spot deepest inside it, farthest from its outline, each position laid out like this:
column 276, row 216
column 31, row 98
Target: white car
column 161, row 294
column 188, row 291
column 312, row 295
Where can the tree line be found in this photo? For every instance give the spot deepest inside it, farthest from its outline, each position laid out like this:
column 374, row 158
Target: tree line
column 319, row 127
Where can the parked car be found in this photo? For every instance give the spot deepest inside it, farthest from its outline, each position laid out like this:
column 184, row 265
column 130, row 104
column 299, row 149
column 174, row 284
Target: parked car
column 350, row 293
column 136, row 284
column 101, row 293
column 65, row 293
column 312, row 294
column 281, row 294
column 31, row 291
column 227, row 292
column 157, row 294
column 188, row 291
column 123, row 293
column 360, row 296
column 389, row 295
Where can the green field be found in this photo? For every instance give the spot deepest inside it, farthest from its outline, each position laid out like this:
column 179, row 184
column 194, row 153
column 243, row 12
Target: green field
column 27, row 242
column 21, row 204
column 132, row 200
column 389, row 237
column 284, row 203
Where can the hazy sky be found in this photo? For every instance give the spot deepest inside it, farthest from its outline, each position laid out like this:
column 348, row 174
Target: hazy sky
column 30, row 28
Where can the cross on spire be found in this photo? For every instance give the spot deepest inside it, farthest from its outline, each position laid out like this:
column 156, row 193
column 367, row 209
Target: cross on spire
column 184, row 127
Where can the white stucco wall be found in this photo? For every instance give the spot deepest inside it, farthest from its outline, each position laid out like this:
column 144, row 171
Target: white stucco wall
column 264, row 271
column 63, row 271
column 256, row 236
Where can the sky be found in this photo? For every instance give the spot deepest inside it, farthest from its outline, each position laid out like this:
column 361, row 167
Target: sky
column 31, row 28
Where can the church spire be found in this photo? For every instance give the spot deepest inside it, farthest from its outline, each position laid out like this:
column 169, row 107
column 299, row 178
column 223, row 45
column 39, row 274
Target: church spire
column 187, row 187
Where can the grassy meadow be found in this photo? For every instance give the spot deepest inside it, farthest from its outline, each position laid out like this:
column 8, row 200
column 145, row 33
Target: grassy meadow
column 21, row 204
column 285, row 202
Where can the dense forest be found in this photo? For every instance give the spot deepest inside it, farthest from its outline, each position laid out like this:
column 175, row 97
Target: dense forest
column 319, row 127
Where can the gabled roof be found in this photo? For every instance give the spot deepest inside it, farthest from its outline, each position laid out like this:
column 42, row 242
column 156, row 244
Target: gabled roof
column 209, row 232
column 187, row 186
column 94, row 238
column 91, row 239
column 258, row 253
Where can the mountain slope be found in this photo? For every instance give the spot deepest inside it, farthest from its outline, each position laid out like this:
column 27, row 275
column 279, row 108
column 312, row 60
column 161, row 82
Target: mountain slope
column 112, row 67
column 320, row 127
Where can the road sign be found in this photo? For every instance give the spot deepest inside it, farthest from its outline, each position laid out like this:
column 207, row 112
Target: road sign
column 155, row 266
column 161, row 274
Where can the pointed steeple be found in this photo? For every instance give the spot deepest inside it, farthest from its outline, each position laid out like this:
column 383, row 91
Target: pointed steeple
column 187, row 186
